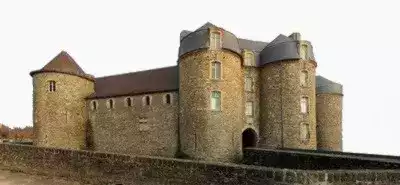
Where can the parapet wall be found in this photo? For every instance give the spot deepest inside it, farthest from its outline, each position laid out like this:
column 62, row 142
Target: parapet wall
column 105, row 168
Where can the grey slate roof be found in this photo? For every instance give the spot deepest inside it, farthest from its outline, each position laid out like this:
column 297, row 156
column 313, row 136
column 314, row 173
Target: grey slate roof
column 323, row 85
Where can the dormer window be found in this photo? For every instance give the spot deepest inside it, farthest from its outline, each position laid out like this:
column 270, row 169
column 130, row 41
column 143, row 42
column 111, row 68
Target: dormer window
column 216, row 70
column 249, row 59
column 215, row 40
column 304, row 51
column 52, row 86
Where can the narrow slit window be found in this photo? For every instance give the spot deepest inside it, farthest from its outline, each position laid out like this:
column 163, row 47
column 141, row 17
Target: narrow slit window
column 304, row 105
column 216, row 70
column 110, row 103
column 128, row 102
column 94, row 105
column 52, row 86
column 216, row 100
column 168, row 99
column 147, row 100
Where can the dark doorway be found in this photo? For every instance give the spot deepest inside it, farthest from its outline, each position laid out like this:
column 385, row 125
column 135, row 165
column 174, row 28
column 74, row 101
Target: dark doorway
column 249, row 138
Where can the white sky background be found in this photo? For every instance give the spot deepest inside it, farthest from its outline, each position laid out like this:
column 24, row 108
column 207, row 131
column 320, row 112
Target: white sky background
column 356, row 43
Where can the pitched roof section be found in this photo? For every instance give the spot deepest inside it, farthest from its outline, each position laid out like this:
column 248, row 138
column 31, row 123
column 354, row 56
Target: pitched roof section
column 64, row 63
column 206, row 26
column 324, row 85
column 280, row 39
column 150, row 81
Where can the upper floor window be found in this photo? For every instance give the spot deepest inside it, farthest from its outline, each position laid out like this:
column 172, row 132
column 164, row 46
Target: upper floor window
column 167, row 99
column 249, row 108
column 110, row 103
column 304, row 105
column 94, row 105
column 216, row 100
column 248, row 83
column 147, row 100
column 249, row 59
column 215, row 40
column 216, row 70
column 304, row 132
column 304, row 51
column 303, row 78
column 128, row 102
column 52, row 86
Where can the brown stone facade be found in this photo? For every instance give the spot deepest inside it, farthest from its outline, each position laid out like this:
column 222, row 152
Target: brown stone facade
column 206, row 134
column 59, row 116
column 329, row 121
column 136, row 129
column 280, row 96
column 253, row 95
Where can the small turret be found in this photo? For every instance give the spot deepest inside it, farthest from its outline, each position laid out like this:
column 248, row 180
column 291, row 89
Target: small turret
column 59, row 107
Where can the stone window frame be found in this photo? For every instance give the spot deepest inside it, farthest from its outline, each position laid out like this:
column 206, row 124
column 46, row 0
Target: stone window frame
column 252, row 84
column 214, row 45
column 128, row 101
column 110, row 103
column 307, row 138
column 307, row 106
column 246, row 55
column 303, row 51
column 94, row 105
column 144, row 100
column 220, row 100
column 252, row 109
column 306, row 80
column 212, row 71
column 165, row 99
column 52, row 86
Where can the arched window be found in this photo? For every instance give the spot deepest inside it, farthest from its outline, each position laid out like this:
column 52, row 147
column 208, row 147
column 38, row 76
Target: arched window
column 146, row 100
column 304, row 105
column 303, row 78
column 128, row 102
column 52, row 86
column 167, row 99
column 110, row 103
column 94, row 105
column 216, row 70
column 215, row 40
column 216, row 100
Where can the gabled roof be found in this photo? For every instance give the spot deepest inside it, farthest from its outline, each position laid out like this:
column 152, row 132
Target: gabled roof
column 149, row 81
column 63, row 63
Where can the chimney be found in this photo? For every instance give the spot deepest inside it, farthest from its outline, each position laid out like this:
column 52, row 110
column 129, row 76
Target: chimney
column 295, row 36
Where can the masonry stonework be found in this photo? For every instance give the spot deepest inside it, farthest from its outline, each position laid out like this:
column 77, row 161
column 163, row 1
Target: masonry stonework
column 280, row 95
column 207, row 134
column 329, row 121
column 59, row 117
column 253, row 121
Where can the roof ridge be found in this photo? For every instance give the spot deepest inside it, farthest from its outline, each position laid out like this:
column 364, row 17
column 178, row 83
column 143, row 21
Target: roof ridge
column 133, row 72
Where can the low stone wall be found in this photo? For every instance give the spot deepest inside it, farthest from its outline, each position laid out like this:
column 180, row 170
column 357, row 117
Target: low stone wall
column 305, row 160
column 105, row 168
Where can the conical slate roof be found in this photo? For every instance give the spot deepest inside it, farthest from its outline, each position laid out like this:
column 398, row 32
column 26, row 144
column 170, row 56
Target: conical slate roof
column 63, row 63
column 324, row 85
column 280, row 39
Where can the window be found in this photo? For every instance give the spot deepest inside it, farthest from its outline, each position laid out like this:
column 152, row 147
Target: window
column 110, row 103
column 147, row 100
column 128, row 102
column 248, row 83
column 94, row 105
column 249, row 108
column 304, row 51
column 216, row 70
column 304, row 132
column 216, row 100
column 304, row 78
column 249, row 59
column 167, row 99
column 52, row 86
column 304, row 105
column 215, row 40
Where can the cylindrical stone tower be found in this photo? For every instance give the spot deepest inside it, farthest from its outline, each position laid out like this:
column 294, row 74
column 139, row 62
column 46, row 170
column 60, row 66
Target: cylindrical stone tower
column 287, row 94
column 329, row 114
column 211, row 95
column 59, row 107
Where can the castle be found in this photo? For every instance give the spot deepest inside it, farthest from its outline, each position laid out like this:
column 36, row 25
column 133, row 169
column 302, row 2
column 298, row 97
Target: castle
column 225, row 93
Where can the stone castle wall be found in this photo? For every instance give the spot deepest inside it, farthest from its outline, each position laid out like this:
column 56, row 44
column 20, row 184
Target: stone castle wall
column 59, row 117
column 204, row 133
column 280, row 96
column 140, row 129
column 329, row 121
column 253, row 122
column 106, row 168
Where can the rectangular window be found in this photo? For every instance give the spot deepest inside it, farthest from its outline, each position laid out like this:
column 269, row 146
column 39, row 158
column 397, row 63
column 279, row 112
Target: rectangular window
column 216, row 100
column 304, row 105
column 303, row 78
column 216, row 70
column 248, row 83
column 249, row 108
column 215, row 40
column 248, row 59
column 304, row 52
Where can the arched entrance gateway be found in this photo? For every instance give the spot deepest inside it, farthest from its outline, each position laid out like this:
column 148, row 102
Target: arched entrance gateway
column 249, row 138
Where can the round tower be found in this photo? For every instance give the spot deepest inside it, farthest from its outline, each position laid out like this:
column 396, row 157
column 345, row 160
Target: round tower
column 329, row 114
column 287, row 94
column 211, row 95
column 59, row 107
